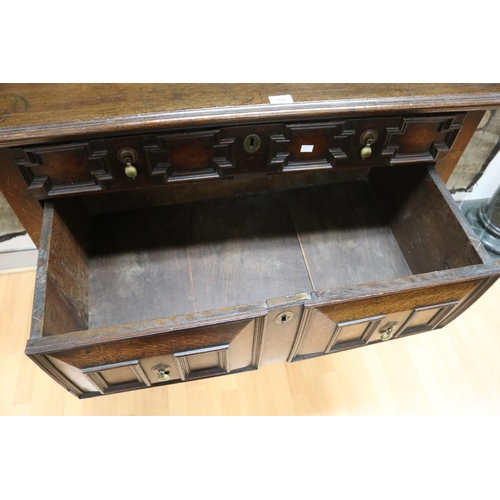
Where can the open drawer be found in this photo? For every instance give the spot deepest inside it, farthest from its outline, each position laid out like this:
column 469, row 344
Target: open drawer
column 158, row 295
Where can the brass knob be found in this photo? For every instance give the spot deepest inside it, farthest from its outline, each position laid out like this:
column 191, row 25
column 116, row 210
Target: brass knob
column 388, row 333
column 163, row 375
column 130, row 170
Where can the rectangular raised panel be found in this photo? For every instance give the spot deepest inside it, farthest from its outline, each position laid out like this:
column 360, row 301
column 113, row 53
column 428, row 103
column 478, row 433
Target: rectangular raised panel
column 354, row 333
column 205, row 362
column 117, row 376
column 426, row 318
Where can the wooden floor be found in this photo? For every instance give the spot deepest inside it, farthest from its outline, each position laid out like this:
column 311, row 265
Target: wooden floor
column 453, row 371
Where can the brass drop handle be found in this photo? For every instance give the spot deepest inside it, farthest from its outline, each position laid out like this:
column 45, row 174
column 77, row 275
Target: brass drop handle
column 163, row 375
column 367, row 150
column 367, row 139
column 130, row 170
column 387, row 335
column 129, row 156
column 162, row 371
column 388, row 331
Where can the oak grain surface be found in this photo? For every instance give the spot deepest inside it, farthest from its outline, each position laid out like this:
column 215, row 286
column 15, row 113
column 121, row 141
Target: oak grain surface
column 56, row 111
column 344, row 236
column 453, row 371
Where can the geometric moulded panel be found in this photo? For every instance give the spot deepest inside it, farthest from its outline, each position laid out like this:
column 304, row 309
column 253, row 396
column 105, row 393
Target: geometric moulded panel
column 117, row 377
column 421, row 138
column 64, row 169
column 325, row 144
column 191, row 155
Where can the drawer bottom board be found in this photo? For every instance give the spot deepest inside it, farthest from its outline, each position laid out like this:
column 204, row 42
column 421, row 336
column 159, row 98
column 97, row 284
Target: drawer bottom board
column 221, row 253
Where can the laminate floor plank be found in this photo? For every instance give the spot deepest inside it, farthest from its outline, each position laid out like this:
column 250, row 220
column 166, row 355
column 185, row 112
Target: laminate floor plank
column 452, row 371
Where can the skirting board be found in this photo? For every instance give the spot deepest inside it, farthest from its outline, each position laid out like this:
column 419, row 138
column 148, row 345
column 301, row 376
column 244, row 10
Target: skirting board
column 18, row 261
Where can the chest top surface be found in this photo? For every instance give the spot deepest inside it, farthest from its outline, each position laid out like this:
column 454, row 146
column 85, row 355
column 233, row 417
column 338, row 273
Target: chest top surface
column 34, row 113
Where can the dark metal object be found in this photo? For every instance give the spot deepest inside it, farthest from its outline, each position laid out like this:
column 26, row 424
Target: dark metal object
column 485, row 219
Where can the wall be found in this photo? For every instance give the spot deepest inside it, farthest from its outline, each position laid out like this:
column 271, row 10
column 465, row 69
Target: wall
column 477, row 174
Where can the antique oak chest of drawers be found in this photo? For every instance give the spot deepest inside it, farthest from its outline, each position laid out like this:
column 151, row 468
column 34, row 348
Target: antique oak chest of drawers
column 190, row 231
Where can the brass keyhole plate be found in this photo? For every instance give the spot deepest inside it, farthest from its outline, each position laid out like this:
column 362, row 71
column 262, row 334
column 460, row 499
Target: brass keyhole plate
column 284, row 317
column 251, row 143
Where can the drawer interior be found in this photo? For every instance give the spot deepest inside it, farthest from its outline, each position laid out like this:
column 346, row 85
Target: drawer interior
column 113, row 268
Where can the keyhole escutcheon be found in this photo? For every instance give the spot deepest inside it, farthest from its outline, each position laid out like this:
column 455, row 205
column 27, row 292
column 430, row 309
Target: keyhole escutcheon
column 251, row 143
column 284, row 317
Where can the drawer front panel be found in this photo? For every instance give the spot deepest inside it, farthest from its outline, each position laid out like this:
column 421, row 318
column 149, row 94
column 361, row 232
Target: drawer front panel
column 338, row 144
column 341, row 326
column 95, row 165
column 184, row 355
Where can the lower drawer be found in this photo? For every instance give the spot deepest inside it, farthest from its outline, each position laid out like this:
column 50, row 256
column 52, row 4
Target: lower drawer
column 165, row 357
column 338, row 326
column 159, row 295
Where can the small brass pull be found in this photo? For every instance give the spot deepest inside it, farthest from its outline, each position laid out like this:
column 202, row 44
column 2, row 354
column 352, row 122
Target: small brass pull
column 130, row 170
column 366, row 151
column 367, row 139
column 162, row 371
column 129, row 156
column 387, row 333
